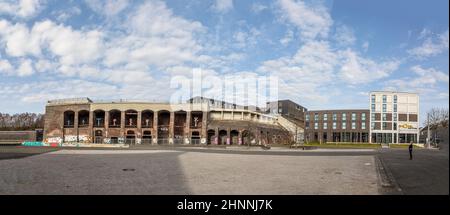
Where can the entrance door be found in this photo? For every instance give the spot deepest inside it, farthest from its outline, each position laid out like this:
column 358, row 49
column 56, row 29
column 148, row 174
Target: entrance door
column 98, row 136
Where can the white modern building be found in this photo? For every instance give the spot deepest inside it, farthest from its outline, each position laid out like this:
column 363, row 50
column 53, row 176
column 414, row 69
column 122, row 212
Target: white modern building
column 394, row 117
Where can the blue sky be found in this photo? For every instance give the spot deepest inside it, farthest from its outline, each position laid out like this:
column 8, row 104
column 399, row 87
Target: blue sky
column 326, row 54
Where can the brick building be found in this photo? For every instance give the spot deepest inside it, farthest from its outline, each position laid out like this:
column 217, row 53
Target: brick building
column 194, row 122
column 337, row 126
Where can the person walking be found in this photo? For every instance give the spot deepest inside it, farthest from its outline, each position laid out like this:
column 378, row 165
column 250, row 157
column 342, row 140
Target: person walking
column 410, row 148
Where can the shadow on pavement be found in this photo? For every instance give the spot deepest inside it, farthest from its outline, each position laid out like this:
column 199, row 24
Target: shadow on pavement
column 98, row 174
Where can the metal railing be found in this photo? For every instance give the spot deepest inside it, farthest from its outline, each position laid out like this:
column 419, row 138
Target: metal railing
column 163, row 141
column 195, row 141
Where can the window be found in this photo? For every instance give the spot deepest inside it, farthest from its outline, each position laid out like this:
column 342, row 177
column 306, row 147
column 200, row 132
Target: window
column 344, row 116
column 373, row 107
column 363, row 116
column 307, row 117
column 325, row 125
column 395, row 126
column 316, row 125
column 316, row 117
column 353, row 116
column 373, row 98
column 384, row 125
column 373, row 117
column 280, row 110
column 372, row 125
column 363, row 125
column 325, row 117
column 384, row 98
column 395, row 117
column 344, row 125
column 384, row 117
column 307, row 125
column 395, row 108
column 395, row 98
column 384, row 107
column 334, row 125
column 353, row 125
column 334, row 117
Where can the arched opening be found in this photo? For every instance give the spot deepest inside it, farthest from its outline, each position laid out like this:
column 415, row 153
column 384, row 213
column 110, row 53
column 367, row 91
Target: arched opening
column 179, row 126
column 234, row 134
column 211, row 136
column 114, row 118
column 69, row 119
column 222, row 137
column 99, row 119
column 83, row 118
column 163, row 126
column 196, row 119
column 130, row 138
column 131, row 118
column 98, row 136
column 147, row 119
column 247, row 137
column 147, row 137
column 195, row 137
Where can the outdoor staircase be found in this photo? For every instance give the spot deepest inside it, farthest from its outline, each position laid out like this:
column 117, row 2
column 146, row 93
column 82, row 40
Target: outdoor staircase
column 292, row 126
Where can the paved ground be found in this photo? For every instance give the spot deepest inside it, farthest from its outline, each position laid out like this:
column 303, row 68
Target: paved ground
column 187, row 172
column 426, row 174
column 43, row 170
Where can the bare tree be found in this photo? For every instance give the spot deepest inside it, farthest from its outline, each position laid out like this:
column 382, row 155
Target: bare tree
column 21, row 121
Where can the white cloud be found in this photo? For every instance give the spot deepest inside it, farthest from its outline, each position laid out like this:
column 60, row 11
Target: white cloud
column 18, row 39
column 425, row 33
column 43, row 65
column 65, row 14
column 71, row 46
column 344, row 36
column 258, row 7
column 425, row 81
column 21, row 8
column 306, row 75
column 358, row 70
column 312, row 21
column 5, row 67
column 365, row 46
column 223, row 6
column 287, row 38
column 244, row 39
column 25, row 68
column 431, row 46
column 108, row 8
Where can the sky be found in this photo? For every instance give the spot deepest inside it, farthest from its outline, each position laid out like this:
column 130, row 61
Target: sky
column 326, row 54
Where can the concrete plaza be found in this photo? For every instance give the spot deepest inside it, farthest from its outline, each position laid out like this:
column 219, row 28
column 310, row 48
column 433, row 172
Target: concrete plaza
column 188, row 172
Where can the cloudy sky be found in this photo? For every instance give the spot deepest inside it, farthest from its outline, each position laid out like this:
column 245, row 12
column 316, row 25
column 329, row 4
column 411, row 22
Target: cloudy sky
column 327, row 54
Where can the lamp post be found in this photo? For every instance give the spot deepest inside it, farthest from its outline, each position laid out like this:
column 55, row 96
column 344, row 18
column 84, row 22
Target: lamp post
column 428, row 130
